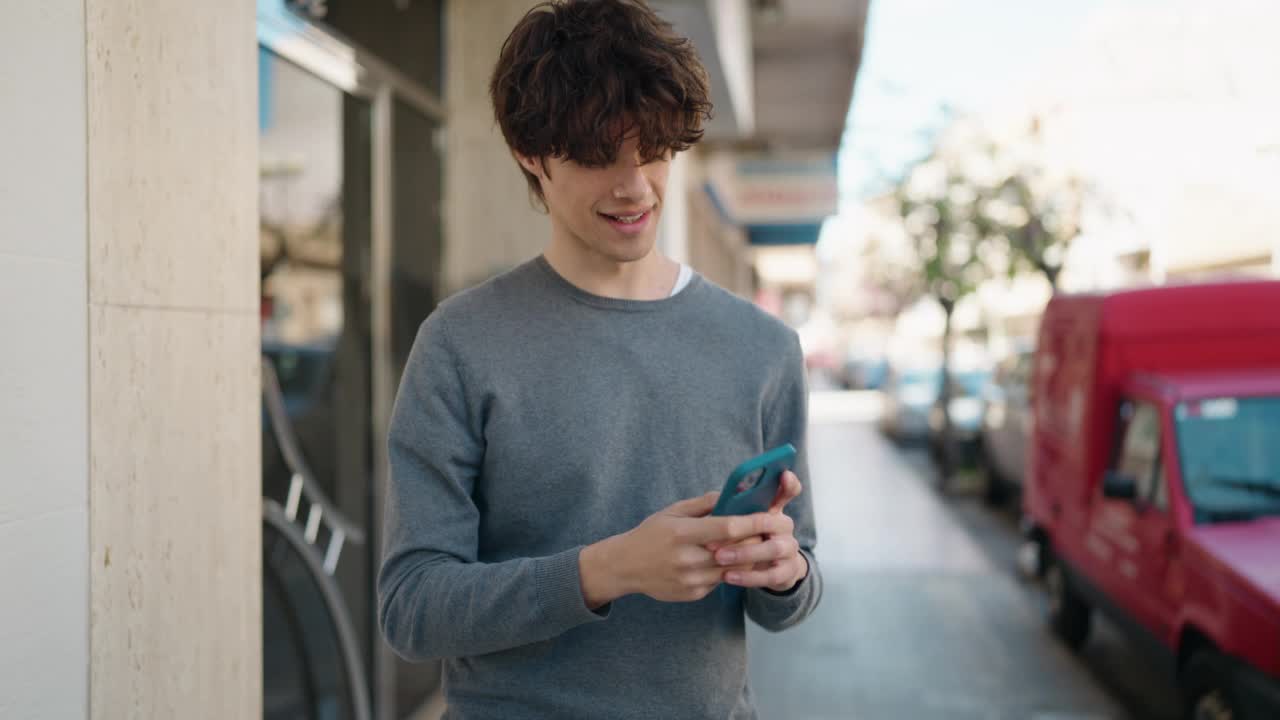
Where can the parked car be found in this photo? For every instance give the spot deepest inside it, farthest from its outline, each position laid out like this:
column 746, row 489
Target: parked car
column 968, row 389
column 1153, row 488
column 908, row 397
column 862, row 370
column 868, row 373
column 1006, row 426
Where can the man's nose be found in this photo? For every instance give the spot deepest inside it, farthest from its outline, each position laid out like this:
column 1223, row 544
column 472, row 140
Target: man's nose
column 631, row 184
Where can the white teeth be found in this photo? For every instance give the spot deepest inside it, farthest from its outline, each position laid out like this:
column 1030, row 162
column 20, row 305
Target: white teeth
column 627, row 220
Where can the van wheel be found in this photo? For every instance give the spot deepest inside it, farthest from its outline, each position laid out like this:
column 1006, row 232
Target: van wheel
column 1207, row 688
column 1069, row 615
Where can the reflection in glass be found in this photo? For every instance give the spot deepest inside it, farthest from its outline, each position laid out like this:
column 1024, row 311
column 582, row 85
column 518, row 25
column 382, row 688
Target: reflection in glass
column 418, row 171
column 314, row 222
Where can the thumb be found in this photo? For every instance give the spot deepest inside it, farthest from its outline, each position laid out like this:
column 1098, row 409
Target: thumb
column 789, row 489
column 696, row 506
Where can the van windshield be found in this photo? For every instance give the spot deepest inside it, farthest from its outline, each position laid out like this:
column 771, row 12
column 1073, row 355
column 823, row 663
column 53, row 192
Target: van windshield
column 1230, row 454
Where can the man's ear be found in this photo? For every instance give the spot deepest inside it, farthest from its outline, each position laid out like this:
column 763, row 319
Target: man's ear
column 532, row 165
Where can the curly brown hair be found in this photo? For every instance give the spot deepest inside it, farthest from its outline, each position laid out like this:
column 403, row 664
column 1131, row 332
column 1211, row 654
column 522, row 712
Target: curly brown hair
column 576, row 77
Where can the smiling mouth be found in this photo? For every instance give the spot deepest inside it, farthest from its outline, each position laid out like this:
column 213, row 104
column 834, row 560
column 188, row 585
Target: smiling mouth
column 627, row 219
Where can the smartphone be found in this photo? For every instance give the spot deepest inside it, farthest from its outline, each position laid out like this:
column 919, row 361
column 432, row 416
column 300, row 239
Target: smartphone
column 753, row 485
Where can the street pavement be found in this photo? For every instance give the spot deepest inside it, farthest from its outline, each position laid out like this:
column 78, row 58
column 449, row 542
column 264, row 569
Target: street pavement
column 923, row 615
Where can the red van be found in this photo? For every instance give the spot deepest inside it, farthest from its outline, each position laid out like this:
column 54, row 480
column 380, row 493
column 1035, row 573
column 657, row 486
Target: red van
column 1153, row 482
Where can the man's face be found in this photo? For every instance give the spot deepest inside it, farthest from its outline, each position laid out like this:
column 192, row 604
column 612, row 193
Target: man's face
column 610, row 212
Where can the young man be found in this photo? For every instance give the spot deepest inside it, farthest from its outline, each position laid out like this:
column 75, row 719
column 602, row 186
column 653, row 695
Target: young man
column 561, row 430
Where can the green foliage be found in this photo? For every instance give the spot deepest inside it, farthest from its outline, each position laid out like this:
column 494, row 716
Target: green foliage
column 974, row 210
column 1047, row 220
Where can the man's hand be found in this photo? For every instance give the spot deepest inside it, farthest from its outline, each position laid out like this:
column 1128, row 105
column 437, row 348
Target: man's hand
column 666, row 556
column 775, row 559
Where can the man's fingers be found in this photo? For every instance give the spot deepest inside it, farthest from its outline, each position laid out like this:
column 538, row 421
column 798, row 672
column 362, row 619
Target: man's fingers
column 695, row 506
column 725, row 530
column 777, row 548
column 712, row 547
column 704, row 578
column 788, row 490
column 782, row 572
column 750, row 578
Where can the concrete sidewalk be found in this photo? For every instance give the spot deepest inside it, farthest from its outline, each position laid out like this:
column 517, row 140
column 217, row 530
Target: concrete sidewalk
column 916, row 622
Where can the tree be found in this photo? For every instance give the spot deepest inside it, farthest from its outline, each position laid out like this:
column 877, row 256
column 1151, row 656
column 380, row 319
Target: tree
column 1038, row 209
column 941, row 201
column 975, row 209
column 887, row 267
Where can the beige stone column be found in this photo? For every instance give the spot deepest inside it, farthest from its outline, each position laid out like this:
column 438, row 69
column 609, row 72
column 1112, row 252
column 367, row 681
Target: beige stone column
column 174, row 438
column 130, row 524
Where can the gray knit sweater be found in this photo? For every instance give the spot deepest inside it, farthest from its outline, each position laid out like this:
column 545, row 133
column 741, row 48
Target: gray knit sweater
column 535, row 418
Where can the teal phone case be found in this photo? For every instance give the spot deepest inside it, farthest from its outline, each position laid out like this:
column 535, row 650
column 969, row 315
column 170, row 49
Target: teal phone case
column 737, row 499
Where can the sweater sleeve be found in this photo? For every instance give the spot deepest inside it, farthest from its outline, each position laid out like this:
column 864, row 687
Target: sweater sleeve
column 786, row 421
column 435, row 599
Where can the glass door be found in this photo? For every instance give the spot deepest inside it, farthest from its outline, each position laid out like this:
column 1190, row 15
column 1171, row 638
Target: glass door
column 351, row 240
column 315, row 226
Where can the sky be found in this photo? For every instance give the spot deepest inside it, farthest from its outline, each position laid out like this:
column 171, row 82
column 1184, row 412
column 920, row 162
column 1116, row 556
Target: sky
column 922, row 56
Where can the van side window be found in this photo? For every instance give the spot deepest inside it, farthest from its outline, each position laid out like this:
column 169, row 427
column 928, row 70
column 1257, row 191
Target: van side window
column 1139, row 452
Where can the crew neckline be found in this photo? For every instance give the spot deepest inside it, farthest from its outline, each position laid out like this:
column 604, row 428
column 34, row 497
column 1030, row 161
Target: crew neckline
column 682, row 279
column 610, row 303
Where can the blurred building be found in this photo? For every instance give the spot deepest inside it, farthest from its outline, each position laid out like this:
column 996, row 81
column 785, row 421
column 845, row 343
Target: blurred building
column 1181, row 154
column 144, row 143
column 1172, row 111
column 1168, row 112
